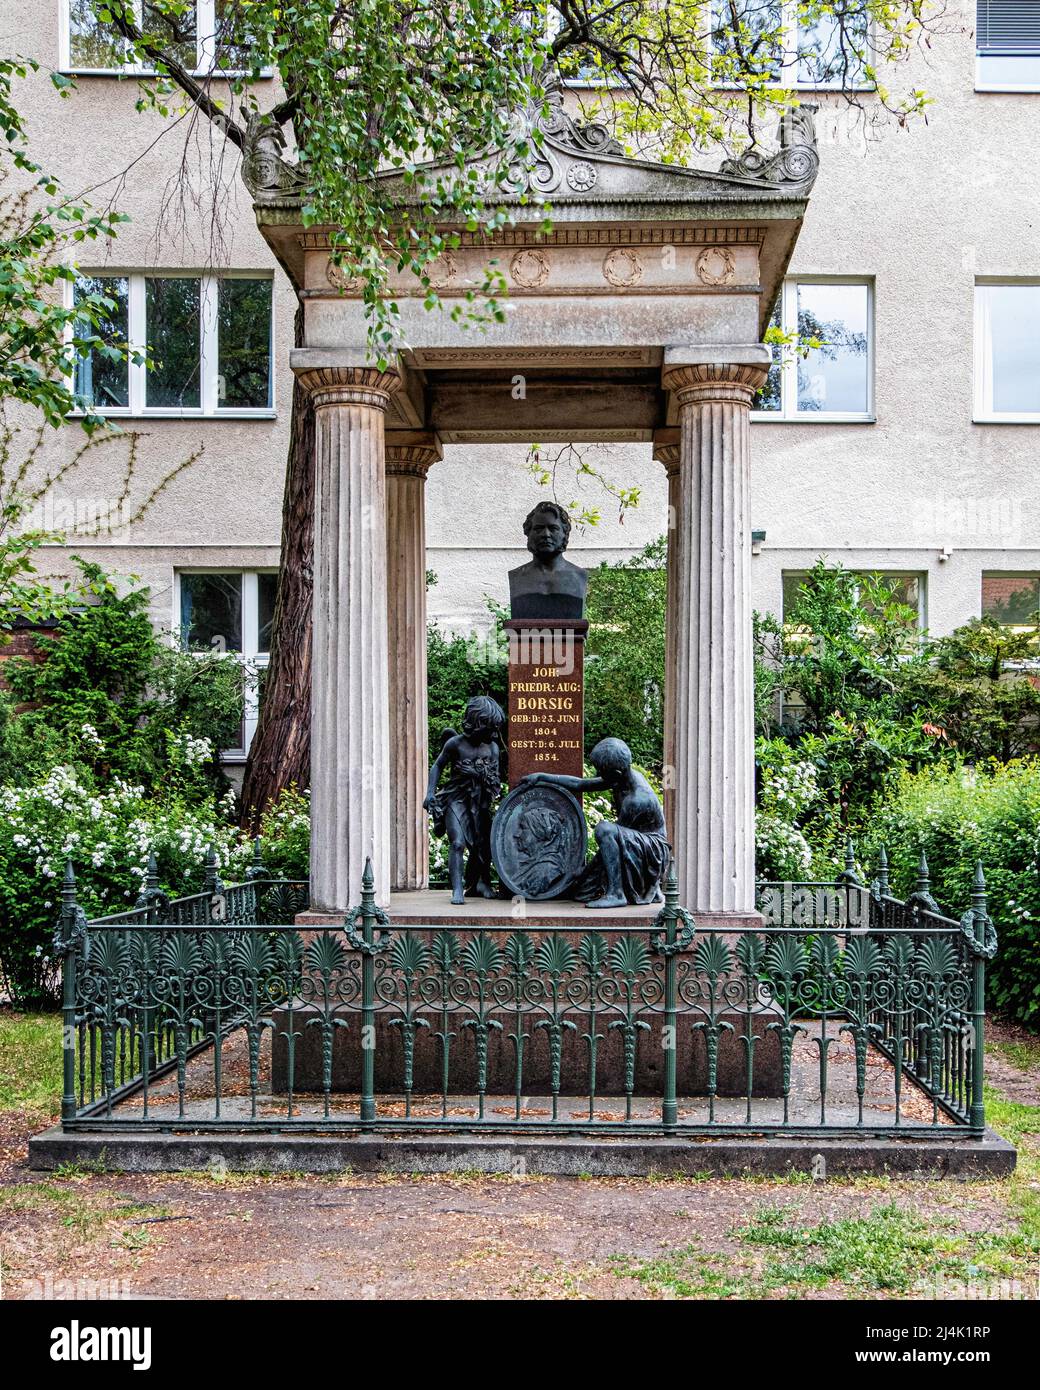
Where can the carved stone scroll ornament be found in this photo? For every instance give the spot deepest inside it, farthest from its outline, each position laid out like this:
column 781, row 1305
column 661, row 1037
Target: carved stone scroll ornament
column 564, row 130
column 795, row 163
column 264, row 169
column 552, row 159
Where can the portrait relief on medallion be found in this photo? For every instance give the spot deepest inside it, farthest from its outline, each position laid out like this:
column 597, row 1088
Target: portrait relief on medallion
column 581, row 176
column 339, row 278
column 622, row 267
column 529, row 268
column 715, row 266
column 442, row 270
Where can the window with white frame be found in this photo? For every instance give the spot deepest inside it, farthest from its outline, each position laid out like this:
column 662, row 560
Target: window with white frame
column 208, row 341
column 1007, row 351
column 770, row 39
column 823, row 369
column 230, row 611
column 1007, row 46
column 204, row 35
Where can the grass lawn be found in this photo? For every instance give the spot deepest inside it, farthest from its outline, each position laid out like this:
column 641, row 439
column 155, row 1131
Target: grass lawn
column 30, row 1063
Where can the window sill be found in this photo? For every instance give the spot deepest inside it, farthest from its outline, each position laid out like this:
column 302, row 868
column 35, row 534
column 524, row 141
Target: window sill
column 1009, row 87
column 159, row 414
column 266, row 75
column 1032, row 419
column 770, row 417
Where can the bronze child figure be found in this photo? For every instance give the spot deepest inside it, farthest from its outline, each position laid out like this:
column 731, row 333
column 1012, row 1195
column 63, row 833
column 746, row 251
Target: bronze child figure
column 633, row 853
column 461, row 809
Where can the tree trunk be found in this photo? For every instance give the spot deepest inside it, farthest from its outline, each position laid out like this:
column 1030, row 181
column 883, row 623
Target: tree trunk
column 281, row 749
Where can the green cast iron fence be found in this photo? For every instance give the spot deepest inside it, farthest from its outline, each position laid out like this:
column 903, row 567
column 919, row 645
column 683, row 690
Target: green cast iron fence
column 847, row 1011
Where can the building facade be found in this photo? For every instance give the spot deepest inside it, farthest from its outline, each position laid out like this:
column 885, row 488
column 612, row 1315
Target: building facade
column 908, row 444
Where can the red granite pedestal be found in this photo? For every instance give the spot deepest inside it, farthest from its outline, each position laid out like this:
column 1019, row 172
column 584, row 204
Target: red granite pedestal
column 432, row 910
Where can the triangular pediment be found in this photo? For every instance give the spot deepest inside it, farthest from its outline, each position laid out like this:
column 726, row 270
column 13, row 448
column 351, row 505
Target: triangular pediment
column 582, row 165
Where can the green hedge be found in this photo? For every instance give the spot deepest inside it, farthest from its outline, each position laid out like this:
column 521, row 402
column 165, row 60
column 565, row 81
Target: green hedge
column 959, row 816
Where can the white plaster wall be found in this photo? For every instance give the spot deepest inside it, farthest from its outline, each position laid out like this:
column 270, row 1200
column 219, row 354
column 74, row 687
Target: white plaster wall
column 923, row 211
column 225, row 509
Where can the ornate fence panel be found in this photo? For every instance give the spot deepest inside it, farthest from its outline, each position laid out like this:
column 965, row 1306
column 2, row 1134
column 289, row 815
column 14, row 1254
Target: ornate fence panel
column 847, row 1011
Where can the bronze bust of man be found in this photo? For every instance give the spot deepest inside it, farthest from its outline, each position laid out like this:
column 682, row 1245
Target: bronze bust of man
column 548, row 586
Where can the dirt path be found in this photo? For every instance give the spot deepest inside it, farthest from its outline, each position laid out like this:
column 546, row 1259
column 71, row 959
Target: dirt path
column 349, row 1236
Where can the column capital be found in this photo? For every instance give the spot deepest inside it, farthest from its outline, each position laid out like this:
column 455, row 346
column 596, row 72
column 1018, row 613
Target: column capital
column 666, row 449
column 701, row 383
column 342, row 376
column 412, row 453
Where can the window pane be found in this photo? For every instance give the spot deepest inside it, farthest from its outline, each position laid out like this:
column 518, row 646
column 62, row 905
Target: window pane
column 173, row 323
column 267, row 587
column 904, row 588
column 177, row 32
column 831, row 49
column 999, row 70
column 769, row 398
column 1012, row 346
column 211, row 612
column 833, row 376
column 741, row 41
column 244, row 343
column 792, row 585
column 92, row 43
column 100, row 380
column 232, row 45
column 1011, row 598
column 1007, row 26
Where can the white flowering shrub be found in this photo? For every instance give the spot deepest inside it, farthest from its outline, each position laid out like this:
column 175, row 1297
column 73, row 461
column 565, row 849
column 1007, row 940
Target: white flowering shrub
column 108, row 835
column 789, row 793
column 285, row 830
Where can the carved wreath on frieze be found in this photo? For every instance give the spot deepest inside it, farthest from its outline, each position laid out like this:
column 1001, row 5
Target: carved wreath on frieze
column 715, row 266
column 340, row 278
column 529, row 268
column 442, row 270
column 622, row 267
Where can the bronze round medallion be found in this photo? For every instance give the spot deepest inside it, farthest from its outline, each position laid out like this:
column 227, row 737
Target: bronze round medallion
column 538, row 841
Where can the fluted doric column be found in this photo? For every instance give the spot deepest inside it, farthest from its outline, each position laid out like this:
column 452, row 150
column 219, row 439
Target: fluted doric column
column 350, row 744
column 713, row 815
column 406, row 467
column 668, row 455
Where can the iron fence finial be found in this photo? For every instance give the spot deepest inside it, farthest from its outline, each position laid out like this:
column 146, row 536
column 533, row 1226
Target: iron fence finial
column 978, row 889
column 923, row 873
column 848, row 873
column 257, row 869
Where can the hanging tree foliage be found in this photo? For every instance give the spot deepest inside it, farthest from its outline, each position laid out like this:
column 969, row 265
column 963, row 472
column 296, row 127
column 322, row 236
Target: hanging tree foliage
column 368, row 85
